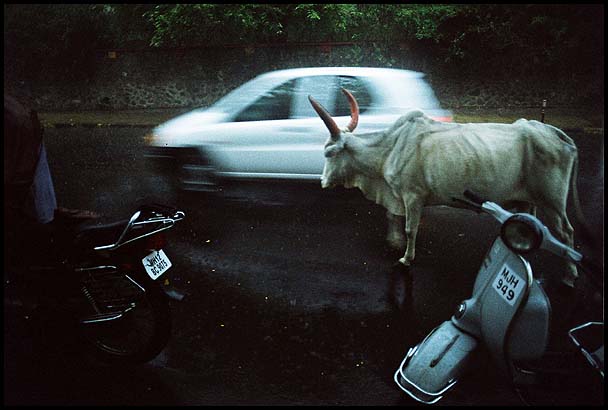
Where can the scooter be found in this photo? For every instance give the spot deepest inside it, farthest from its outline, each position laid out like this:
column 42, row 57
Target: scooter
column 508, row 315
column 108, row 283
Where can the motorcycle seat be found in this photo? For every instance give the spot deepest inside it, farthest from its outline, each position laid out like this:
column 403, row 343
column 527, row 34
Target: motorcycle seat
column 99, row 234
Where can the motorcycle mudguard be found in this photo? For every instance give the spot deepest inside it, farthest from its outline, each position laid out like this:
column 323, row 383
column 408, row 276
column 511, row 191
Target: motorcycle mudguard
column 434, row 366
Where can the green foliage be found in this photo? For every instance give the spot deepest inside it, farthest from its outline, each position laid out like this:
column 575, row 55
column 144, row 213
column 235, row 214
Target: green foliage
column 186, row 25
column 216, row 24
column 475, row 38
column 322, row 22
column 124, row 25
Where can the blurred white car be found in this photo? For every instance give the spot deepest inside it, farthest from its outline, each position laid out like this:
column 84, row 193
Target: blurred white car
column 266, row 129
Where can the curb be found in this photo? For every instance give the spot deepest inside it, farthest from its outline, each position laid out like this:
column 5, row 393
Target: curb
column 590, row 130
column 90, row 125
column 586, row 130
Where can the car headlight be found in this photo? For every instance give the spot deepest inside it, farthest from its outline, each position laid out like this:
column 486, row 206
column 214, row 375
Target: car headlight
column 521, row 233
column 149, row 138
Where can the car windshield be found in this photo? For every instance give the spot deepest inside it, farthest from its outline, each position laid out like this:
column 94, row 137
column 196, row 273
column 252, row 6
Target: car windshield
column 243, row 95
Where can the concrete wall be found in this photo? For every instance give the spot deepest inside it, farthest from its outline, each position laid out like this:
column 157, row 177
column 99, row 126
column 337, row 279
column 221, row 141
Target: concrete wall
column 131, row 79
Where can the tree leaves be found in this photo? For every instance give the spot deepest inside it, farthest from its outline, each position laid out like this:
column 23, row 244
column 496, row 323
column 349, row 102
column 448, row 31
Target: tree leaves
column 473, row 36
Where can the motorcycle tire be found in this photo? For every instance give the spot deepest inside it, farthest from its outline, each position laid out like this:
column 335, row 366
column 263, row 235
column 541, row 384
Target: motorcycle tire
column 137, row 337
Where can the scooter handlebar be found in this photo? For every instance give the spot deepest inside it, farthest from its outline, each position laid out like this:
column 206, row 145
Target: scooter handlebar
column 549, row 242
column 478, row 204
column 472, row 201
column 473, row 197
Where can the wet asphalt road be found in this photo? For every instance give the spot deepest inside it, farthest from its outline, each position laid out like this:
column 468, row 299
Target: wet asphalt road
column 294, row 302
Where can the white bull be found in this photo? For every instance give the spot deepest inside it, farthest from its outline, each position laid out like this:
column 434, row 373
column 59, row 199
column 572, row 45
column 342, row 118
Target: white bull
column 421, row 162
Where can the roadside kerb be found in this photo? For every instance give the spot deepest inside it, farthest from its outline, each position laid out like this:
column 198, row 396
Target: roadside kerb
column 586, row 130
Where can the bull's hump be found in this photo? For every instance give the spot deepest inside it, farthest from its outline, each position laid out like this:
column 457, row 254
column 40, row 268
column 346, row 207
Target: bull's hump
column 414, row 114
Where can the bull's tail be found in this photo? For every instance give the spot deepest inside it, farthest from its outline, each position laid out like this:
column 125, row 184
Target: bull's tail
column 578, row 210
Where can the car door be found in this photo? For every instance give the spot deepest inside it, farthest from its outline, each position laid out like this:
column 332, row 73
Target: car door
column 298, row 147
column 275, row 137
column 306, row 133
column 372, row 101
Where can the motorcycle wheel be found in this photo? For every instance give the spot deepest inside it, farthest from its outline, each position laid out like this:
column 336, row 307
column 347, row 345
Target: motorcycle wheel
column 137, row 337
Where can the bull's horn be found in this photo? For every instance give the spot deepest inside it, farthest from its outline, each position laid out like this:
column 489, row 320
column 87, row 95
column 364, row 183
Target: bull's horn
column 334, row 131
column 354, row 111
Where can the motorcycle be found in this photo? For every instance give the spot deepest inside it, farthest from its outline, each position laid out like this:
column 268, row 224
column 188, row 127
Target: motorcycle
column 508, row 317
column 109, row 282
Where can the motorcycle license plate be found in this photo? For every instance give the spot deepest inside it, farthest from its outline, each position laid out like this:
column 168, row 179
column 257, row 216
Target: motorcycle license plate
column 156, row 264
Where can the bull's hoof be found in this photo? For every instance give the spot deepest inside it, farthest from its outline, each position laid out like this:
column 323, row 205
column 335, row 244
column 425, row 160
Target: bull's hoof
column 569, row 282
column 405, row 262
column 570, row 276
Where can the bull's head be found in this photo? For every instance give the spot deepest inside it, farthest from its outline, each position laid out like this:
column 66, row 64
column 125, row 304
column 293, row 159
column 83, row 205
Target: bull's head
column 336, row 165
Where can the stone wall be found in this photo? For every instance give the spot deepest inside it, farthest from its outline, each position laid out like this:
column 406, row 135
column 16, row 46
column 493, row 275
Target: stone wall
column 186, row 78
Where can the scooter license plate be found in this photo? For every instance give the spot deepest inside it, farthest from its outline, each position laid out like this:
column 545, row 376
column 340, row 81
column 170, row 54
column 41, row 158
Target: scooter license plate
column 156, row 263
column 508, row 284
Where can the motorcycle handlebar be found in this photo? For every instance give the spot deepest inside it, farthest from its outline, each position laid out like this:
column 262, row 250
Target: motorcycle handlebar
column 165, row 210
column 156, row 207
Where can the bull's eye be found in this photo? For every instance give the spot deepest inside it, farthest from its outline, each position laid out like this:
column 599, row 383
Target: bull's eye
column 332, row 151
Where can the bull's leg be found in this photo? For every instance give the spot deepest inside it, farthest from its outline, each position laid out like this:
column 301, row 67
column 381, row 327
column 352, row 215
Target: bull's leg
column 413, row 211
column 524, row 207
column 394, row 234
column 560, row 226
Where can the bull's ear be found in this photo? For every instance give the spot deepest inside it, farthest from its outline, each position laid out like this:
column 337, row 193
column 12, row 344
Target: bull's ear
column 332, row 151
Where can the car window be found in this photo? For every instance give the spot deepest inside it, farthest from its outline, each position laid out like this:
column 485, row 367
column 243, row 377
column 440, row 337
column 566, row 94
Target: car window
column 358, row 89
column 272, row 105
column 421, row 94
column 321, row 88
column 243, row 95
